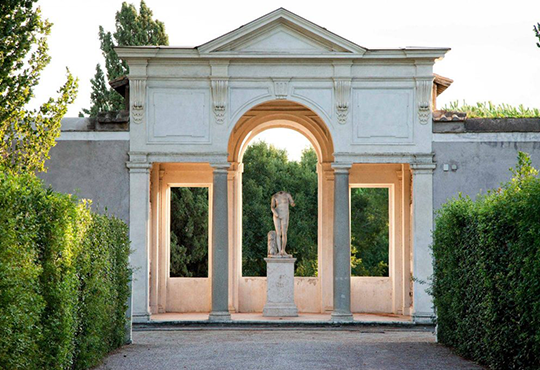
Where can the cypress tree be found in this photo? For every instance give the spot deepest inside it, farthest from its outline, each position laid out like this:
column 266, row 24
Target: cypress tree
column 132, row 29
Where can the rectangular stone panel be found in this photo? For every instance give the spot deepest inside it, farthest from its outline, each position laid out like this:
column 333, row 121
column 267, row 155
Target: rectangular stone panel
column 179, row 116
column 382, row 116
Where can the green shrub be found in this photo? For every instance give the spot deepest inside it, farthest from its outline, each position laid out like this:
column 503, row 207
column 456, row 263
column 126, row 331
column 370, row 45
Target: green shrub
column 487, row 273
column 103, row 290
column 63, row 279
column 21, row 302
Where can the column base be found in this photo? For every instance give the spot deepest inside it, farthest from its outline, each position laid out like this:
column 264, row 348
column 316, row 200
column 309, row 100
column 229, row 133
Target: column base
column 341, row 317
column 141, row 317
column 219, row 316
column 424, row 318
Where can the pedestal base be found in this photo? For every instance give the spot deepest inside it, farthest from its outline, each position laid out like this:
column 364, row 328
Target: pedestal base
column 280, row 287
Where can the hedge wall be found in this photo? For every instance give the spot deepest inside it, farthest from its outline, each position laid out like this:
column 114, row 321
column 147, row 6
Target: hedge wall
column 486, row 282
column 63, row 279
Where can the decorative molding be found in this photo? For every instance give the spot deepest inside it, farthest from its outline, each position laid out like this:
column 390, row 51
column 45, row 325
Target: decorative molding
column 341, row 168
column 281, row 88
column 423, row 91
column 342, row 93
column 392, row 157
column 423, row 168
column 93, row 136
column 138, row 163
column 137, row 91
column 465, row 137
column 220, row 169
column 219, row 98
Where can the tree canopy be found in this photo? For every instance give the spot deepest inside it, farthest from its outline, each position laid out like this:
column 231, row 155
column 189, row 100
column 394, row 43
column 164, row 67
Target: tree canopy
column 27, row 135
column 369, row 232
column 189, row 232
column 132, row 29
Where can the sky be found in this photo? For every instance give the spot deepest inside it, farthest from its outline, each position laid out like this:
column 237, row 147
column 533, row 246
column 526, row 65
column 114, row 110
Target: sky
column 494, row 56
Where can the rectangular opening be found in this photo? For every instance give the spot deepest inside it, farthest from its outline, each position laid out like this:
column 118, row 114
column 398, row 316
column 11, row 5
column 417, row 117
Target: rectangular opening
column 370, row 231
column 189, row 232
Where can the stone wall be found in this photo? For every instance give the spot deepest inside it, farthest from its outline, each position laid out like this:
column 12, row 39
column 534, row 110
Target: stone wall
column 92, row 165
column 475, row 154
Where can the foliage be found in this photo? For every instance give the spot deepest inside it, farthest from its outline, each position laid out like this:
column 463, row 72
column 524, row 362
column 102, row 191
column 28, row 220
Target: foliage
column 63, row 278
column 27, row 135
column 490, row 110
column 132, row 29
column 487, row 273
column 536, row 30
column 369, row 232
column 189, row 232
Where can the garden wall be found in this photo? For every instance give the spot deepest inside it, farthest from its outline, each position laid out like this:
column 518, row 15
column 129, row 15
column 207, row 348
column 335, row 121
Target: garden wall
column 91, row 163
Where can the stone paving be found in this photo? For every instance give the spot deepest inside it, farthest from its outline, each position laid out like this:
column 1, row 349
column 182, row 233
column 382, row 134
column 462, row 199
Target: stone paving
column 293, row 348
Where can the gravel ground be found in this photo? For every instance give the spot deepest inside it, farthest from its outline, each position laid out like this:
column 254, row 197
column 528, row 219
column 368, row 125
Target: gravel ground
column 369, row 349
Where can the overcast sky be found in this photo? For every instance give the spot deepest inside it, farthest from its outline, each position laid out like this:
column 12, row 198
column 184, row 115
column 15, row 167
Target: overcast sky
column 493, row 57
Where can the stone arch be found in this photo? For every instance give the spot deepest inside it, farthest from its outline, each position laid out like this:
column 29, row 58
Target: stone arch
column 315, row 294
column 281, row 114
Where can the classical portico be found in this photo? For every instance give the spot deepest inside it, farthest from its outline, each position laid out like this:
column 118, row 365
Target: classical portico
column 367, row 114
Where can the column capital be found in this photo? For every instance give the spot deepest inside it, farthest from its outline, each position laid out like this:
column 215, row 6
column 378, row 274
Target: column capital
column 341, row 168
column 220, row 167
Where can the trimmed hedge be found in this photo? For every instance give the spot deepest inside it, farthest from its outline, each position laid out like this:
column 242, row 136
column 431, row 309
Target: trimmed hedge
column 63, row 279
column 486, row 284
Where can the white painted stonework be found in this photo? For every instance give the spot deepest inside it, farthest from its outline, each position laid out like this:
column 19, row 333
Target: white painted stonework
column 367, row 114
column 280, row 288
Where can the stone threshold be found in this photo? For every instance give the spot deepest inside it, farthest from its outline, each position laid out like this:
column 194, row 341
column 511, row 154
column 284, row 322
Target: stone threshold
column 254, row 320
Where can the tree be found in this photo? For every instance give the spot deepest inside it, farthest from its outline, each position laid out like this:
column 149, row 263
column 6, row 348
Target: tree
column 536, row 30
column 189, row 232
column 27, row 135
column 369, row 232
column 132, row 29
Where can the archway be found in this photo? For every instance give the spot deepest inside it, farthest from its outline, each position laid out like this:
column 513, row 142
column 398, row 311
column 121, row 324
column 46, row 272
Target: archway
column 386, row 294
column 313, row 294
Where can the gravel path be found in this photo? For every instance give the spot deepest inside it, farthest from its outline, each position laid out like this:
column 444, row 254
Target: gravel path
column 369, row 349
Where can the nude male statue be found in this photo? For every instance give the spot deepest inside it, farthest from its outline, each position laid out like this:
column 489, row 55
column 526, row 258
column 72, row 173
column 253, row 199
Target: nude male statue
column 280, row 208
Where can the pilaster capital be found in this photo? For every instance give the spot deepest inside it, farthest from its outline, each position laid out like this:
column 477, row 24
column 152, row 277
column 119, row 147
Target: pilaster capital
column 138, row 163
column 423, row 168
column 138, row 167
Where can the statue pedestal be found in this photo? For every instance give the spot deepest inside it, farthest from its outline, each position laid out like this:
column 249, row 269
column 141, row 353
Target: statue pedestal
column 280, row 287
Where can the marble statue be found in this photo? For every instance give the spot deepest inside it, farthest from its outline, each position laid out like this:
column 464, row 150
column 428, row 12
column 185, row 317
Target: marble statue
column 272, row 244
column 280, row 209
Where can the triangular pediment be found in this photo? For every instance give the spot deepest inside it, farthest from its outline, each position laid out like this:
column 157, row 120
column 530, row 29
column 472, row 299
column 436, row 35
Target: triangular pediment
column 281, row 32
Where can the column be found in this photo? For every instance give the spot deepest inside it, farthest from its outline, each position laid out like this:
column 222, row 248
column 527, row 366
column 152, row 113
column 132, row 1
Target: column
column 326, row 238
column 342, row 245
column 139, row 201
column 422, row 226
column 220, row 245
